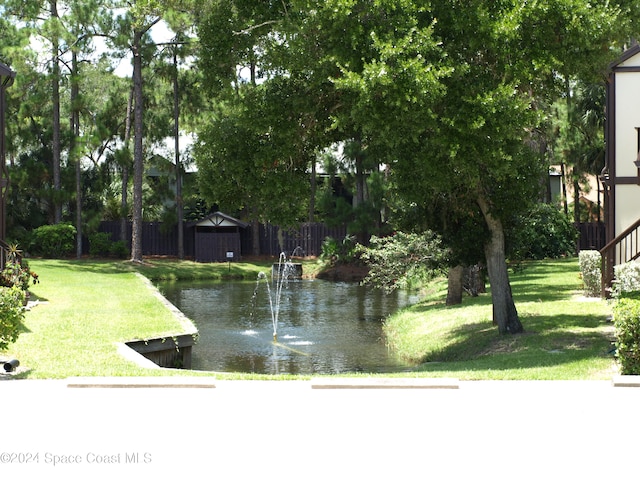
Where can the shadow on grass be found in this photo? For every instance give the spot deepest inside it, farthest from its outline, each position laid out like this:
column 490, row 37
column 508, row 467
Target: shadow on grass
column 548, row 281
column 37, row 298
column 547, row 341
column 540, row 281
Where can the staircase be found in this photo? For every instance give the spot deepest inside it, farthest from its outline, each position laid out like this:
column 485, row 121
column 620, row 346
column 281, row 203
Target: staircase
column 622, row 249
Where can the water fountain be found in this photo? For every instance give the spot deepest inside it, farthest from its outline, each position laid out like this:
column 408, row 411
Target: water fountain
column 323, row 327
column 281, row 272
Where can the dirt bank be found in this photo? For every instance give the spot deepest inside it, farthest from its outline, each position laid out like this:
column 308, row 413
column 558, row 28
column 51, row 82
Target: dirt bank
column 344, row 273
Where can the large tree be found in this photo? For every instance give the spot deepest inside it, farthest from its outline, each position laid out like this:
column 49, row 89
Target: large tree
column 131, row 32
column 488, row 117
column 446, row 93
column 256, row 148
column 78, row 34
column 42, row 20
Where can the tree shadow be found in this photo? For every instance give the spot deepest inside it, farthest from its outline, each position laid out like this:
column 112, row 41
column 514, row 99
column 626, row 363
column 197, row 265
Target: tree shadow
column 547, row 341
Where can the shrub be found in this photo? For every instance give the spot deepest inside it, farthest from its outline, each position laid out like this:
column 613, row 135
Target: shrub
column 336, row 252
column 545, row 232
column 119, row 249
column 626, row 317
column 591, row 271
column 18, row 275
column 11, row 314
column 404, row 259
column 626, row 278
column 16, row 270
column 53, row 241
column 99, row 244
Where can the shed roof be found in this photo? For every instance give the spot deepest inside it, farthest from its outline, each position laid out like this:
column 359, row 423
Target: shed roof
column 219, row 219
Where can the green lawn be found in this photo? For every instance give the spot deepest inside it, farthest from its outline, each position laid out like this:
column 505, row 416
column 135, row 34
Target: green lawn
column 566, row 335
column 90, row 306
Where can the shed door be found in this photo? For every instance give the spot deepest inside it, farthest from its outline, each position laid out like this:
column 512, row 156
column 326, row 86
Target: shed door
column 212, row 246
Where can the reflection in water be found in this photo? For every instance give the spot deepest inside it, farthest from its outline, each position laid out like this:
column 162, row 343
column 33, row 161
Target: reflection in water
column 324, row 327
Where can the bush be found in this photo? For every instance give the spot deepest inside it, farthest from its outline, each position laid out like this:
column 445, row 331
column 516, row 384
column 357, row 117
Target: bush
column 99, row 244
column 545, row 232
column 404, row 259
column 626, row 317
column 18, row 275
column 336, row 252
column 11, row 314
column 591, row 270
column 627, row 278
column 119, row 249
column 54, row 241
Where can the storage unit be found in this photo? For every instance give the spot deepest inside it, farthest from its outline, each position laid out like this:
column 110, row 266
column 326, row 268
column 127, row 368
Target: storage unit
column 217, row 238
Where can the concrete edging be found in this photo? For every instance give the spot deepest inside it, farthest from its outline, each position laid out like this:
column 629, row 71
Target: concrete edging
column 384, row 383
column 626, row 381
column 140, row 382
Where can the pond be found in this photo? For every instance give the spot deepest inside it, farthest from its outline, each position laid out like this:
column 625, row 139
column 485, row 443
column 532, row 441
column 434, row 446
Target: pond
column 324, row 327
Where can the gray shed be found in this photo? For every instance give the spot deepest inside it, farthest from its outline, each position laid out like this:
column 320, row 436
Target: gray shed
column 217, row 238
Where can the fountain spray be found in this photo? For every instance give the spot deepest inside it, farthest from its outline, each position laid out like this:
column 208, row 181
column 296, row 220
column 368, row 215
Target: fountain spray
column 283, row 272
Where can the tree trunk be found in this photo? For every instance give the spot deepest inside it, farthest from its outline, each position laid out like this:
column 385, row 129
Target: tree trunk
column 505, row 314
column 312, row 198
column 55, row 99
column 454, row 287
column 75, row 129
column 576, row 196
column 255, row 236
column 124, row 200
column 176, row 135
column 473, row 282
column 565, row 202
column 136, row 228
column 362, row 235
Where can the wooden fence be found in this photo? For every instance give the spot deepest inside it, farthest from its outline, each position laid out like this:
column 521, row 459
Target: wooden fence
column 592, row 236
column 156, row 240
column 304, row 241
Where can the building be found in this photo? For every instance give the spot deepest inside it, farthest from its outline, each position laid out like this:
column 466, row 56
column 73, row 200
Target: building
column 218, row 238
column 621, row 174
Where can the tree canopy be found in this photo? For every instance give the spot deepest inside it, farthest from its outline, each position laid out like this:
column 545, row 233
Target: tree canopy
column 441, row 110
column 450, row 95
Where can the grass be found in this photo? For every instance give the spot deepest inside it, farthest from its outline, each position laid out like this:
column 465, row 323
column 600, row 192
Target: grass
column 92, row 305
column 566, row 336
